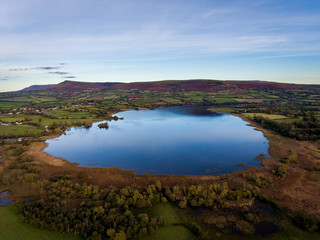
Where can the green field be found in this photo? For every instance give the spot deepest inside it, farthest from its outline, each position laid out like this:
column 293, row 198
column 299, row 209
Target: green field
column 173, row 228
column 31, row 99
column 172, row 233
column 11, row 228
column 67, row 116
column 166, row 211
column 17, row 130
column 270, row 116
column 224, row 100
column 11, row 105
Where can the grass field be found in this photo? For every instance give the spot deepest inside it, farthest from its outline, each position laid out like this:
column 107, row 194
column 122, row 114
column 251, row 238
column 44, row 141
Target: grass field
column 61, row 116
column 18, row 130
column 11, row 228
column 173, row 228
column 248, row 100
column 270, row 116
column 31, row 99
column 11, row 105
column 224, row 100
column 166, row 212
column 13, row 117
column 172, row 233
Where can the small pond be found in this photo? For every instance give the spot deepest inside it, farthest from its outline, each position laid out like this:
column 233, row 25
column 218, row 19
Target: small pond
column 172, row 140
column 4, row 198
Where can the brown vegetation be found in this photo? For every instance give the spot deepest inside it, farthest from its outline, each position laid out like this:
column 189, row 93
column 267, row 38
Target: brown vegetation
column 187, row 85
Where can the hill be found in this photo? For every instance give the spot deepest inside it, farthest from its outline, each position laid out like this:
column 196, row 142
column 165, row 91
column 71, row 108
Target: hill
column 37, row 87
column 205, row 85
column 73, row 85
column 168, row 85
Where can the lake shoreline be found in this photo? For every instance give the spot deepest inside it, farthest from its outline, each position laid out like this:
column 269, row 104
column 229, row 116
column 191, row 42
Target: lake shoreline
column 177, row 119
column 38, row 147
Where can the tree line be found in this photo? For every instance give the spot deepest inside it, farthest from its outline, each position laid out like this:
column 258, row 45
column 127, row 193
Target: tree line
column 95, row 213
column 307, row 129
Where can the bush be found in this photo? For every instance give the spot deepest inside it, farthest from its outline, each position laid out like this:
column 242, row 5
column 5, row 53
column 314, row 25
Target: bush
column 244, row 227
column 305, row 223
column 281, row 171
column 195, row 229
column 262, row 182
column 30, row 177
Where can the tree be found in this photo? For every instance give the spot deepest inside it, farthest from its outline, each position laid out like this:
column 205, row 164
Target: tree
column 120, row 236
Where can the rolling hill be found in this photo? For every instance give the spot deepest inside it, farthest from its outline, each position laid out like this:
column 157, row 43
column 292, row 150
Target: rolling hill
column 168, row 85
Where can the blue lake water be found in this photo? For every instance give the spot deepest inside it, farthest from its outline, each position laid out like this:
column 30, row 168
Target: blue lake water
column 173, row 140
column 3, row 198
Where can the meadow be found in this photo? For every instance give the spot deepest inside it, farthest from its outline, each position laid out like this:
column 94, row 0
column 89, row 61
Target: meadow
column 11, row 228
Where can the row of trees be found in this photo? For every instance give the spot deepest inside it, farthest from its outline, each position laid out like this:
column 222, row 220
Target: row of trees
column 210, row 196
column 307, row 129
column 96, row 213
column 90, row 220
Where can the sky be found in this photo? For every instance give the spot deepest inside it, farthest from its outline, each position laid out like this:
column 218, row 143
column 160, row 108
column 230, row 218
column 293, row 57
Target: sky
column 50, row 41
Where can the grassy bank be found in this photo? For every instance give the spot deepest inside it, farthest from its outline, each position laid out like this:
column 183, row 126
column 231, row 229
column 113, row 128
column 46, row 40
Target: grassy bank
column 11, row 228
column 172, row 233
column 173, row 228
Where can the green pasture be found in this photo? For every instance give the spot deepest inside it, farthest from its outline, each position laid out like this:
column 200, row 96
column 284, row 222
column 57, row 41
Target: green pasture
column 171, row 100
column 225, row 96
column 11, row 228
column 73, row 117
column 111, row 97
column 66, row 113
column 140, row 102
column 209, row 99
column 224, row 100
column 17, row 130
column 14, row 117
column 31, row 99
column 270, row 116
column 12, row 105
column 249, row 100
column 173, row 228
column 171, row 233
column 166, row 211
column 122, row 107
column 194, row 99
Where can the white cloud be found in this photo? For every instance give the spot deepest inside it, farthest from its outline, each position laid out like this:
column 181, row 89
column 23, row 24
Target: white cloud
column 113, row 34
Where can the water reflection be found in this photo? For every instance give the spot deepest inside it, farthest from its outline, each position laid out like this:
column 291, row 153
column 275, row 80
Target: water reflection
column 174, row 140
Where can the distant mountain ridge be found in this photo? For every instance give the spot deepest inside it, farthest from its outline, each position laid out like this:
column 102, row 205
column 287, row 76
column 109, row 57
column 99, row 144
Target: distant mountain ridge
column 168, row 85
column 74, row 85
column 71, row 85
column 37, row 87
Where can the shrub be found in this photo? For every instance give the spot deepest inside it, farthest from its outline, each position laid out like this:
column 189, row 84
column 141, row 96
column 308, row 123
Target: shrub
column 302, row 221
column 281, row 171
column 30, row 177
column 262, row 182
column 244, row 227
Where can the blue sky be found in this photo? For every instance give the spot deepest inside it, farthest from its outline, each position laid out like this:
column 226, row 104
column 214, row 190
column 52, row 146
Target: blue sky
column 46, row 41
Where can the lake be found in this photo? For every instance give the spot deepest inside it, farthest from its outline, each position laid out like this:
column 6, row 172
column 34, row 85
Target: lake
column 172, row 140
column 4, row 198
